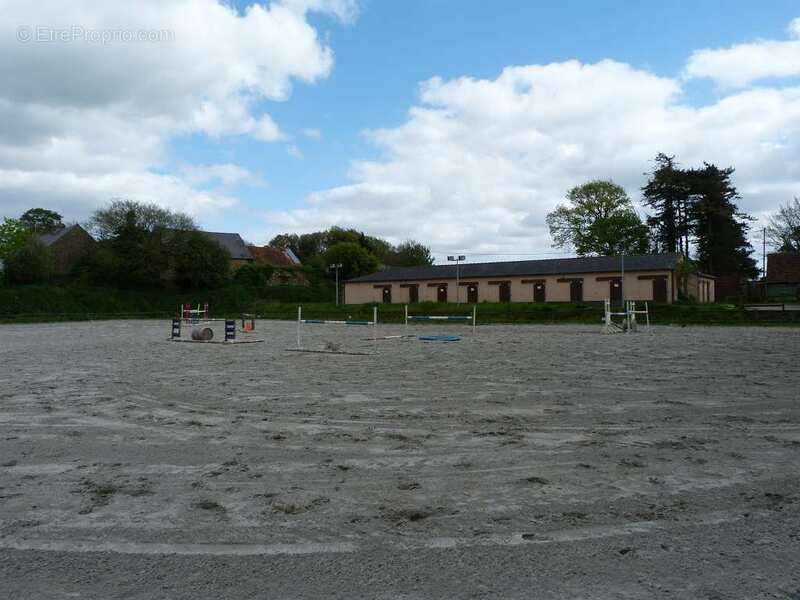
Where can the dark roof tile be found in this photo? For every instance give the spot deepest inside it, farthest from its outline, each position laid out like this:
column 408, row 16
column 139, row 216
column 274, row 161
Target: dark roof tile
column 232, row 242
column 553, row 266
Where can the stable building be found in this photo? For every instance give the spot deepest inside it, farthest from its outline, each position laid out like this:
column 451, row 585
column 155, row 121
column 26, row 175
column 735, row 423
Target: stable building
column 653, row 278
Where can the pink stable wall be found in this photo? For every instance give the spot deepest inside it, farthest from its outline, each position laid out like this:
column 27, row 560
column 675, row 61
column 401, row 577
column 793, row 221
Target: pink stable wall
column 594, row 288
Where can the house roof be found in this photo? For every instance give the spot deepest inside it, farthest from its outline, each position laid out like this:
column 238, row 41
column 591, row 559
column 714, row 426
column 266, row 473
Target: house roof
column 553, row 266
column 277, row 257
column 232, row 242
column 48, row 239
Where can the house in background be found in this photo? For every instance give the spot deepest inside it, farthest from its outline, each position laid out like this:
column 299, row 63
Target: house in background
column 653, row 278
column 67, row 246
column 783, row 276
column 234, row 244
column 274, row 257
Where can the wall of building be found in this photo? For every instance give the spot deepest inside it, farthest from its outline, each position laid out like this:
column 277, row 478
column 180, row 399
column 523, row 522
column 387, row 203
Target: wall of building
column 700, row 288
column 783, row 267
column 596, row 288
column 67, row 250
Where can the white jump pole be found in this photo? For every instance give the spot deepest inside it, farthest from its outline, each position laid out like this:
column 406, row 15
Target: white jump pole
column 474, row 318
column 375, row 329
column 299, row 321
column 405, row 327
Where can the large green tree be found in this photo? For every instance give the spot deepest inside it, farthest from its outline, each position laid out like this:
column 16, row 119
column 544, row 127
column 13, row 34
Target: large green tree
column 41, row 220
column 409, row 254
column 198, row 261
column 106, row 222
column 719, row 228
column 138, row 257
column 783, row 230
column 354, row 258
column 598, row 219
column 312, row 248
column 667, row 193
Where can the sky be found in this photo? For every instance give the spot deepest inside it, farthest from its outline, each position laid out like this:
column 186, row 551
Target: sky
column 459, row 124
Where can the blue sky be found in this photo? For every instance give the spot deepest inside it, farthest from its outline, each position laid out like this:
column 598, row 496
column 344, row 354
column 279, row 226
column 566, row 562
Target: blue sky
column 325, row 167
column 393, row 46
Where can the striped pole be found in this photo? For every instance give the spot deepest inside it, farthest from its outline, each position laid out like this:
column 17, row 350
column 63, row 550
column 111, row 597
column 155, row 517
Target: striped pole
column 299, row 320
column 375, row 329
column 474, row 318
column 440, row 318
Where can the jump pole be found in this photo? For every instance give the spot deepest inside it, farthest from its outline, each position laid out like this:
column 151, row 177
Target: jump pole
column 373, row 323
column 299, row 322
column 474, row 319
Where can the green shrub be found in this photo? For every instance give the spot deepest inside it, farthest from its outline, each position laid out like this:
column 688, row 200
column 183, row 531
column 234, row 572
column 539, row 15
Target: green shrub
column 254, row 275
column 29, row 263
column 198, row 261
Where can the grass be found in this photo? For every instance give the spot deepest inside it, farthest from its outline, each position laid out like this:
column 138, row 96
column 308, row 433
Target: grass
column 73, row 302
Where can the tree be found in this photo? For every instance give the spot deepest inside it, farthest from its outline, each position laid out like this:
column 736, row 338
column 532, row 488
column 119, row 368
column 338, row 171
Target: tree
column 198, row 261
column 354, row 258
column 28, row 263
column 599, row 219
column 13, row 234
column 287, row 240
column 409, row 254
column 783, row 230
column 720, row 230
column 311, row 248
column 139, row 257
column 41, row 220
column 119, row 214
column 667, row 193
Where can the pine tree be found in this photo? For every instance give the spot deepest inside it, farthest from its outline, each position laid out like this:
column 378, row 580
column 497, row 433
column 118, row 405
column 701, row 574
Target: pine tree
column 719, row 228
column 667, row 193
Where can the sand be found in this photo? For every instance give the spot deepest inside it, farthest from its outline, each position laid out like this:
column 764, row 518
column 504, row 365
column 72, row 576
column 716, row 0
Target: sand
column 531, row 462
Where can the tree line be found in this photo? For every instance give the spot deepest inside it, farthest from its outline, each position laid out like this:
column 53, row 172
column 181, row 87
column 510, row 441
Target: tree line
column 138, row 245
column 144, row 245
column 357, row 252
column 694, row 212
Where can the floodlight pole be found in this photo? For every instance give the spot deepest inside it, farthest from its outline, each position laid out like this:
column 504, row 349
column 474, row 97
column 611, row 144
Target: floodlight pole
column 336, row 268
column 457, row 260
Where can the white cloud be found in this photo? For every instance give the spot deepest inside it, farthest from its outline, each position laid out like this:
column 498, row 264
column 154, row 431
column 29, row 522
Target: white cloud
column 314, row 134
column 227, row 174
column 743, row 64
column 344, row 10
column 480, row 162
column 75, row 195
column 80, row 109
column 294, row 152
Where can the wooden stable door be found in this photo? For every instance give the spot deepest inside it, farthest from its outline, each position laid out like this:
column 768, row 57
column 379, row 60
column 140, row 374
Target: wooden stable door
column 387, row 295
column 615, row 291
column 441, row 293
column 413, row 294
column 472, row 294
column 660, row 289
column 538, row 292
column 576, row 290
column 505, row 291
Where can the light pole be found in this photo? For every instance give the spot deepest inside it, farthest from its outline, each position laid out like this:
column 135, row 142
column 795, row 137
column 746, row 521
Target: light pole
column 457, row 259
column 336, row 267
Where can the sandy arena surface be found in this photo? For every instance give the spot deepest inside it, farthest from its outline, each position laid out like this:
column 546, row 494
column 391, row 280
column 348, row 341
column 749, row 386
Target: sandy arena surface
column 532, row 462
